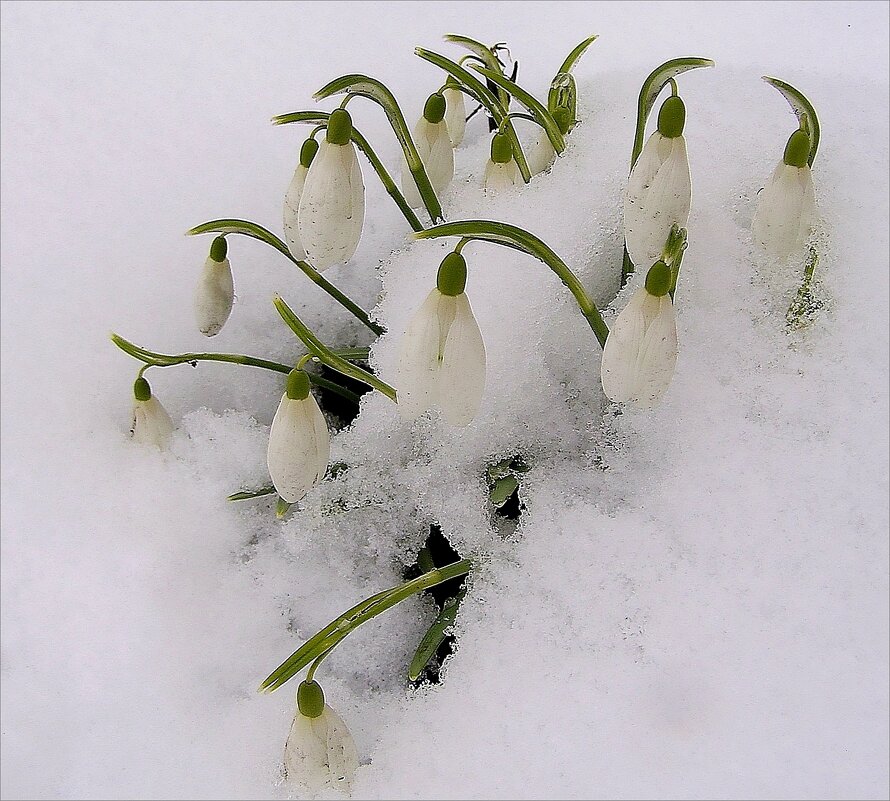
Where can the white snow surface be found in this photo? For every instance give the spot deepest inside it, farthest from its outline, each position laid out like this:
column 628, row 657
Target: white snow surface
column 695, row 604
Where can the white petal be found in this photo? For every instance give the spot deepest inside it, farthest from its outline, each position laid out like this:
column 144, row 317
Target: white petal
column 151, row 423
column 291, row 210
column 214, row 296
column 786, row 211
column 435, row 151
column 641, row 350
column 462, row 377
column 540, row 153
column 420, row 355
column 455, row 115
column 664, row 204
column 299, row 447
column 320, row 753
column 332, row 206
column 643, row 173
column 500, row 176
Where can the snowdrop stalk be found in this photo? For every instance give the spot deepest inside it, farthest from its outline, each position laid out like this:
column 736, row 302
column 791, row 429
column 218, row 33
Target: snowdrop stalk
column 292, row 199
column 215, row 292
column 299, row 441
column 501, row 170
column 659, row 190
column 435, row 148
column 151, row 423
column 320, row 753
column 641, row 351
column 442, row 357
column 786, row 208
column 332, row 204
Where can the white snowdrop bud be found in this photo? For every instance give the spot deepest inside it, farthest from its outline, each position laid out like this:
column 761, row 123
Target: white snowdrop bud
column 455, row 113
column 215, row 292
column 442, row 357
column 151, row 423
column 299, row 441
column 292, row 199
column 641, row 350
column 540, row 153
column 501, row 170
column 320, row 753
column 786, row 208
column 331, row 210
column 659, row 190
column 435, row 149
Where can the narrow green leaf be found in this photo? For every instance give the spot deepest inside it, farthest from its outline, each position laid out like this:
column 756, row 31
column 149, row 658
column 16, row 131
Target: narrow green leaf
column 434, row 636
column 246, row 495
column 578, row 51
column 502, row 490
column 281, row 508
column 802, row 109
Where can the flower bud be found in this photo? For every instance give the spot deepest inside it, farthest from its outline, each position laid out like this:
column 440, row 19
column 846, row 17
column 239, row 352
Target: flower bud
column 151, row 424
column 215, row 293
column 452, row 277
column 308, row 151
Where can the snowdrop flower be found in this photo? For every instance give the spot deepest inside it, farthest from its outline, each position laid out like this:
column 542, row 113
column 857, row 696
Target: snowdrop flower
column 320, row 753
column 641, row 350
column 151, row 423
column 455, row 111
column 332, row 206
column 659, row 190
column 786, row 210
column 215, row 292
column 434, row 146
column 501, row 171
column 299, row 442
column 540, row 153
column 292, row 199
column 442, row 358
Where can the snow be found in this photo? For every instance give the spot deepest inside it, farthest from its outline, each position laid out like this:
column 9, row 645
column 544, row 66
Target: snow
column 695, row 601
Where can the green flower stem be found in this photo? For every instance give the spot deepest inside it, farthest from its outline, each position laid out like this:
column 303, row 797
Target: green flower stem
column 328, row 356
column 245, row 228
column 329, row 637
column 803, row 110
column 471, row 85
column 649, row 92
column 376, row 91
column 385, row 178
column 519, row 239
column 153, row 359
column 542, row 116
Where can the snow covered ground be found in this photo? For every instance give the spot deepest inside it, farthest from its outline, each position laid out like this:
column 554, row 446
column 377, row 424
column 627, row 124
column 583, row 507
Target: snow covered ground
column 696, row 601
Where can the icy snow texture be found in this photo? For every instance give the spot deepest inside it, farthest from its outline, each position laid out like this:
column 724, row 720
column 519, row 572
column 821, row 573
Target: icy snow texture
column 695, row 604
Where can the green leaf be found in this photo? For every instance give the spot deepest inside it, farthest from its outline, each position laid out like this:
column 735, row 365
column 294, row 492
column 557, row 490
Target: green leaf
column 246, row 495
column 802, row 109
column 281, row 508
column 542, row 116
column 483, row 53
column 502, row 489
column 573, row 57
column 373, row 89
column 434, row 636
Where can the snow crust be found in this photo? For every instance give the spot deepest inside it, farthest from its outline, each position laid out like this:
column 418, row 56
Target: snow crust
column 695, row 602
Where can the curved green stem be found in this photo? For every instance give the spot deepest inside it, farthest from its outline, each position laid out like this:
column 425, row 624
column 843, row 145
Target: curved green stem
column 542, row 116
column 472, row 86
column 484, row 55
column 328, row 356
column 330, row 636
column 803, row 110
column 153, row 359
column 519, row 239
column 362, row 144
column 245, row 228
column 376, row 91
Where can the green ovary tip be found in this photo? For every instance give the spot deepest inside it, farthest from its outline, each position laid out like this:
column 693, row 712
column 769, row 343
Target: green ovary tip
column 452, row 277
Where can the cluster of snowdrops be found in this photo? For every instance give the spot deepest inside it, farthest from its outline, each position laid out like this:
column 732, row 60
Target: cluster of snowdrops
column 442, row 354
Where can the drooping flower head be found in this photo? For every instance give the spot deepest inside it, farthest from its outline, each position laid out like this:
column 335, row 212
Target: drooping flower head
column 151, row 423
column 332, row 205
column 540, row 154
column 659, row 190
column 786, row 208
column 435, row 148
column 455, row 111
column 320, row 753
column 215, row 292
column 501, row 170
column 299, row 441
column 442, row 358
column 641, row 350
column 292, row 199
